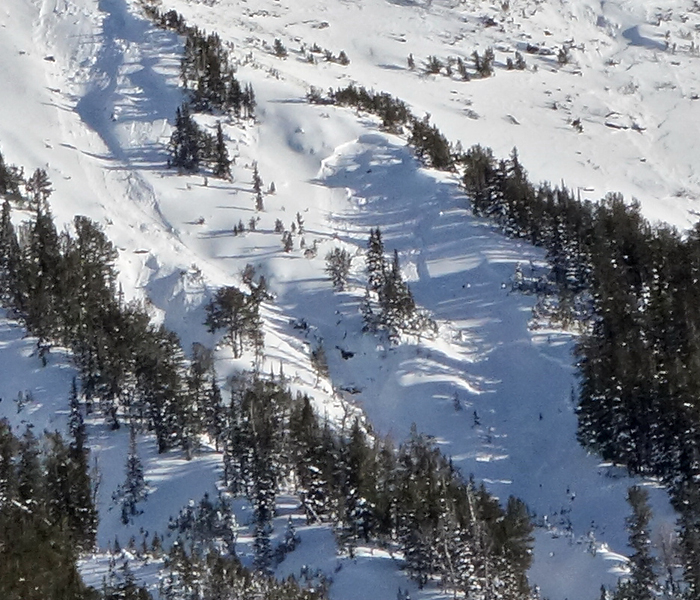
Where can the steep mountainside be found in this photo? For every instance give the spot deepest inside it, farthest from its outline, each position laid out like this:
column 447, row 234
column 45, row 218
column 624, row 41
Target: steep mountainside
column 606, row 102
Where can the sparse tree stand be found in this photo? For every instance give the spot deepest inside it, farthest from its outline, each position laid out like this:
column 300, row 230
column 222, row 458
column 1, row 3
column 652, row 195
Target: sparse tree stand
column 484, row 64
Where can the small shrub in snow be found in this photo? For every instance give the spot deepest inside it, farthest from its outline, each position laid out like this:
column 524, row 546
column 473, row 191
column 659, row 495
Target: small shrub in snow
column 279, row 48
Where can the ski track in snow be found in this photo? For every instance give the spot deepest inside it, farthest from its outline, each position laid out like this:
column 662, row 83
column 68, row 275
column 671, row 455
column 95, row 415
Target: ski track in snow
column 96, row 108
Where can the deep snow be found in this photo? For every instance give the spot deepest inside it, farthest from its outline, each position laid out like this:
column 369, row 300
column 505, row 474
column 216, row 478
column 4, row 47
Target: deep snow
column 91, row 91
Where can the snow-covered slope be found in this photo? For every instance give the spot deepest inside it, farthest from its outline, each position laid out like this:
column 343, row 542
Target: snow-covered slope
column 91, row 89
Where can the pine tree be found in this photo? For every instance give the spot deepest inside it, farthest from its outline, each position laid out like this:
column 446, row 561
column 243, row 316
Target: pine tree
column 398, row 305
column 76, row 423
column 287, row 241
column 376, row 266
column 39, row 189
column 30, row 482
column 69, row 491
column 689, row 522
column 248, row 101
column 257, row 188
column 134, row 488
column 338, row 263
column 222, row 162
column 40, row 275
column 319, row 362
column 11, row 178
column 262, row 546
column 186, row 142
column 641, row 584
column 279, row 49
column 8, row 473
column 10, row 262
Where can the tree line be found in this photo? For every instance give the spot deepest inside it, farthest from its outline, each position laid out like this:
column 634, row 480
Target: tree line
column 62, row 286
column 450, row 530
column 47, row 515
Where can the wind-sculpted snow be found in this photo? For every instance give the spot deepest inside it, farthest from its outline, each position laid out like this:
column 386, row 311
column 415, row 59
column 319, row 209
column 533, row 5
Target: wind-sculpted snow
column 94, row 90
column 496, row 395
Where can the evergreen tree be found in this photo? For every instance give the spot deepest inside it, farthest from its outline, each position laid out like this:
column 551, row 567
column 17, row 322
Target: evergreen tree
column 76, row 423
column 257, row 187
column 338, row 263
column 30, row 476
column 248, row 101
column 10, row 261
column 398, row 306
column 8, row 473
column 11, row 179
column 222, row 162
column 376, row 266
column 69, row 492
column 689, row 522
column 642, row 584
column 186, row 142
column 134, row 488
column 40, row 274
column 239, row 315
column 39, row 189
column 279, row 48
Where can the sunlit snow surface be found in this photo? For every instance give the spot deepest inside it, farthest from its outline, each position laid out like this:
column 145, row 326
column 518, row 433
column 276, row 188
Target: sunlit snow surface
column 90, row 90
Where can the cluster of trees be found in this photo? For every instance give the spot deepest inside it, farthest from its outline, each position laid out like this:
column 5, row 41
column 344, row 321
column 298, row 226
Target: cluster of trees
column 47, row 515
column 483, row 64
column 638, row 361
column 430, row 144
column 341, row 59
column 638, row 364
column 206, row 69
column 238, row 314
column 207, row 74
column 63, row 288
column 388, row 303
column 200, row 526
column 210, row 574
column 448, row 529
column 190, row 146
column 394, row 113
